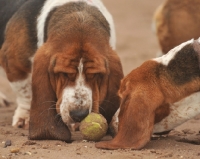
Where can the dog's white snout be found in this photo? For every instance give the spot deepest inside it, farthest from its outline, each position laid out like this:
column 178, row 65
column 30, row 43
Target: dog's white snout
column 76, row 104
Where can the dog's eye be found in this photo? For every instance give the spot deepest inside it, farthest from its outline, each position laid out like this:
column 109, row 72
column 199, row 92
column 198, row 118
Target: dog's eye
column 70, row 76
column 90, row 75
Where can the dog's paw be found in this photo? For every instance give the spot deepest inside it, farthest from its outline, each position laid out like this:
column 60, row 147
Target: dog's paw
column 3, row 100
column 21, row 118
column 113, row 126
column 50, row 128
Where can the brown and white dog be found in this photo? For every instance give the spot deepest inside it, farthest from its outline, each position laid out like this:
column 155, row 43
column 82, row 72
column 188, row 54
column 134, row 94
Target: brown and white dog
column 59, row 59
column 175, row 22
column 158, row 96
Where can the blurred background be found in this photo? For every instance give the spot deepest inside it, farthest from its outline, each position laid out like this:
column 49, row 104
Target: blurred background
column 136, row 41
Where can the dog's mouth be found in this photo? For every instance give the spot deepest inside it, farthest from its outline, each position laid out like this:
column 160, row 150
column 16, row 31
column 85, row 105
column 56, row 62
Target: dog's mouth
column 73, row 118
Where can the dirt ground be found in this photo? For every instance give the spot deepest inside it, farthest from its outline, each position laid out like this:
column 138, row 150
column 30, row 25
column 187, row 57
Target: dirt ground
column 135, row 43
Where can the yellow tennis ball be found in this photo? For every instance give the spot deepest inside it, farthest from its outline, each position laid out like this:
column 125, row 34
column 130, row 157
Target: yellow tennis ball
column 93, row 127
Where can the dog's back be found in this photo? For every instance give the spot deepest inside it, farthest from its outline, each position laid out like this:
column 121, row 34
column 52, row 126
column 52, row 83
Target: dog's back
column 176, row 22
column 7, row 9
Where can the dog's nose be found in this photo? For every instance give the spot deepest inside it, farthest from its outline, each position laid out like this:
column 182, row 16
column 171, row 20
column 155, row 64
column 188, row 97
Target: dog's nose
column 78, row 115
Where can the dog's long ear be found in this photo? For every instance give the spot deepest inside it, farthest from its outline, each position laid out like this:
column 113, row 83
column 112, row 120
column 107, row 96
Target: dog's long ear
column 45, row 123
column 111, row 102
column 136, row 121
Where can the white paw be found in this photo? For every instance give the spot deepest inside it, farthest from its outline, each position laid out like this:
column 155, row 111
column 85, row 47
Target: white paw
column 3, row 100
column 113, row 126
column 21, row 118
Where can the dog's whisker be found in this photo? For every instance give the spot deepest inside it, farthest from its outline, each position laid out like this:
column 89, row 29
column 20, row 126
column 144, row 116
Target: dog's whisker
column 50, row 108
column 48, row 102
column 102, row 109
column 60, row 120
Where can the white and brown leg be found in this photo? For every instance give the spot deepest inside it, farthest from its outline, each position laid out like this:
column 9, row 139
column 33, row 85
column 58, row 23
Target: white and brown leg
column 22, row 88
column 180, row 112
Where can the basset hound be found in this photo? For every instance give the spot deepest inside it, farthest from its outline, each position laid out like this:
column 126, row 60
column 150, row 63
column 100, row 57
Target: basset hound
column 60, row 59
column 175, row 22
column 157, row 96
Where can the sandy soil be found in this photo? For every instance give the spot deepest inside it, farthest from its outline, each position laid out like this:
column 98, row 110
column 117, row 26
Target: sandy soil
column 135, row 44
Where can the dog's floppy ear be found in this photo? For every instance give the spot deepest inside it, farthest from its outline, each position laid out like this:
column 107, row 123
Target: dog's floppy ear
column 111, row 102
column 45, row 123
column 136, row 121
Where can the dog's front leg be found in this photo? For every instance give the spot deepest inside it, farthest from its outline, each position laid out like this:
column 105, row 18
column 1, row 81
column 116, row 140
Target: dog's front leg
column 22, row 88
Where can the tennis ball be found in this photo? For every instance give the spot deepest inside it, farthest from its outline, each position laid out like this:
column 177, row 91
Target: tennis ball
column 93, row 127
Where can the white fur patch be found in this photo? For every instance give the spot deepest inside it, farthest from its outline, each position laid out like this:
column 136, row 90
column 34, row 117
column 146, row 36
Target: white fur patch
column 77, row 97
column 24, row 95
column 165, row 59
column 115, row 118
column 114, row 124
column 51, row 4
column 180, row 112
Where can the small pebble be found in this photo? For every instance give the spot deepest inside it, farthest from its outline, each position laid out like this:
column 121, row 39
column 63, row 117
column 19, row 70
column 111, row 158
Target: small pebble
column 22, row 134
column 29, row 143
column 45, row 147
column 7, row 143
column 153, row 151
column 27, row 153
column 188, row 131
column 14, row 150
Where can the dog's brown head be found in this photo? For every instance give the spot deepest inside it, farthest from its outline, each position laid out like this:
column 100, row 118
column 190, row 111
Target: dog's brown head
column 76, row 69
column 158, row 96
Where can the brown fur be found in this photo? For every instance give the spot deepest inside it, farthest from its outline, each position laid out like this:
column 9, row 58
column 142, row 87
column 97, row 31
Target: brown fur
column 145, row 101
column 103, row 77
column 176, row 22
column 44, row 122
column 70, row 37
column 14, row 54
